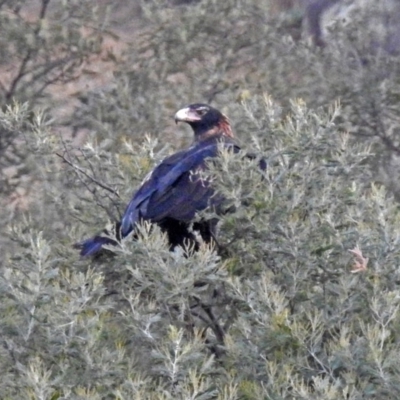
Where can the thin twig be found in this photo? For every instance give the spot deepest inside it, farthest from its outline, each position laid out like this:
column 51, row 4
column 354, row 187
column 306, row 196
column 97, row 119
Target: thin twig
column 93, row 189
column 93, row 179
column 108, row 196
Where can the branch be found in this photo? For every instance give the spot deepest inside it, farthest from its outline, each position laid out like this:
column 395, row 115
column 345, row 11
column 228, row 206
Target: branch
column 93, row 179
column 22, row 69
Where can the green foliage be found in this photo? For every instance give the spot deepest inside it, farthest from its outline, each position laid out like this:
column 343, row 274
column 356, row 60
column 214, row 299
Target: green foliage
column 301, row 299
column 45, row 46
column 279, row 314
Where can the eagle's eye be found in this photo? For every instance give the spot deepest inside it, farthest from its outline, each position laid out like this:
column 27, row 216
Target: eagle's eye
column 201, row 111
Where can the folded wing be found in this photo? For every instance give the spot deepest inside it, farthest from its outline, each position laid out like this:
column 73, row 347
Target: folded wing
column 175, row 189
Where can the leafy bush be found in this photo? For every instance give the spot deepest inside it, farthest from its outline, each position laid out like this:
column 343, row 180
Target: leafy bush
column 278, row 315
column 301, row 299
column 45, row 47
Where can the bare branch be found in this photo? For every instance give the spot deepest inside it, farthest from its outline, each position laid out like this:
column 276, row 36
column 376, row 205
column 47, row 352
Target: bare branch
column 92, row 178
column 22, row 69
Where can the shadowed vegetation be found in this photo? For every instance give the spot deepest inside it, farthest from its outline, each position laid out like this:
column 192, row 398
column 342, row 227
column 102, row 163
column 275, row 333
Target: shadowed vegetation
column 300, row 301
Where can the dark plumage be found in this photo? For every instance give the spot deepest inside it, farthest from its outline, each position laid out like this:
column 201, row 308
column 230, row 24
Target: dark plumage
column 174, row 191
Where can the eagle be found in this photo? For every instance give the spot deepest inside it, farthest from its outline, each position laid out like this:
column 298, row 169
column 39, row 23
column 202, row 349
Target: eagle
column 176, row 189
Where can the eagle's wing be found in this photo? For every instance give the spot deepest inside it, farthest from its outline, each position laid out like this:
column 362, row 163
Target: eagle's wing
column 175, row 189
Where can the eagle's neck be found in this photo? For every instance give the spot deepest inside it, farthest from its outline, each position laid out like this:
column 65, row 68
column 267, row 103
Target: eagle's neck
column 222, row 128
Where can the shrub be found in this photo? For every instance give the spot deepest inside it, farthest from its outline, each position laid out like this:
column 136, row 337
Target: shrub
column 301, row 298
column 281, row 313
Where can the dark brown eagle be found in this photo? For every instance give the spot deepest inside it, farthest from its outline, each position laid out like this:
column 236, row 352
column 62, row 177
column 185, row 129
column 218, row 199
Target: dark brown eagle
column 175, row 190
